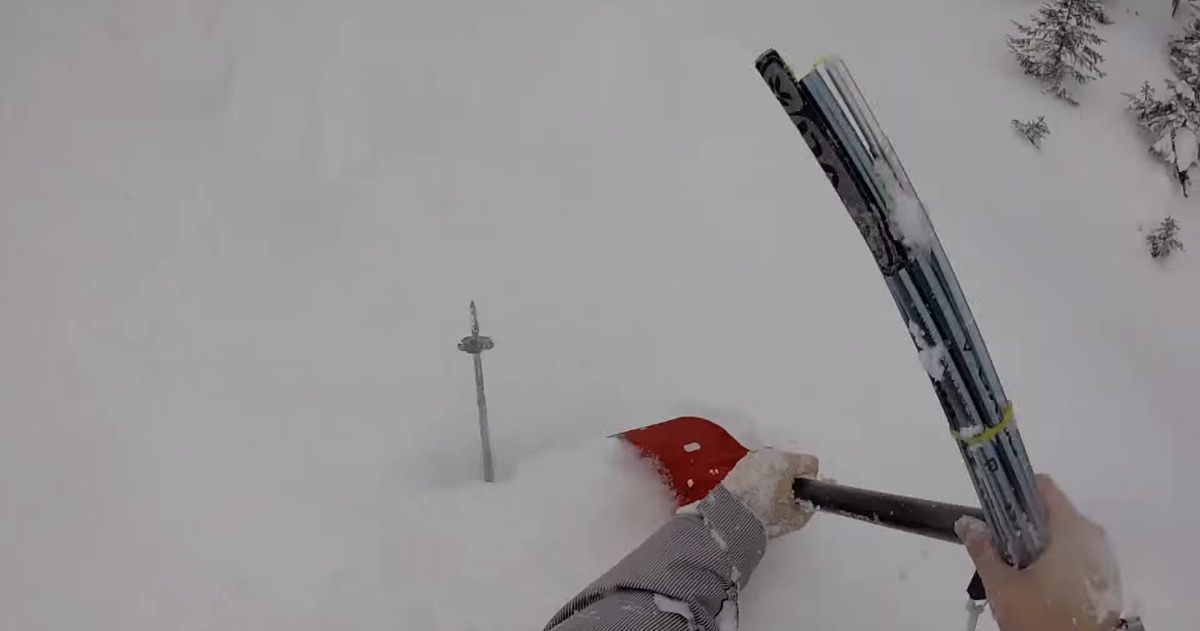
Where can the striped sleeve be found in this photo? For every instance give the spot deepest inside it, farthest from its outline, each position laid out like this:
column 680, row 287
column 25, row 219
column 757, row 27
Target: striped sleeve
column 685, row 577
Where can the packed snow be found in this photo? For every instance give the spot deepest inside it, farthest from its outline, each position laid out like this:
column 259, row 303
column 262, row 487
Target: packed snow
column 933, row 360
column 932, row 357
column 238, row 241
column 967, row 433
column 908, row 216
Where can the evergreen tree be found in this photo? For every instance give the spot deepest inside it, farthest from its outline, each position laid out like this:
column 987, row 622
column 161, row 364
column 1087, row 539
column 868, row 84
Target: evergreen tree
column 1184, row 53
column 1171, row 123
column 1157, row 116
column 1059, row 45
column 1164, row 239
column 1033, row 130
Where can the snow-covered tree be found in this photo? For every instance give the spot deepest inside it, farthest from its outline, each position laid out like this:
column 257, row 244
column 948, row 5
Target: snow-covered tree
column 1155, row 115
column 1171, row 124
column 1059, row 45
column 1184, row 53
column 1033, row 130
column 1164, row 239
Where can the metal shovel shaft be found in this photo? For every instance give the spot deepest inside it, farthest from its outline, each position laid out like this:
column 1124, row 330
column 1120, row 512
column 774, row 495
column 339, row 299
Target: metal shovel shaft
column 898, row 512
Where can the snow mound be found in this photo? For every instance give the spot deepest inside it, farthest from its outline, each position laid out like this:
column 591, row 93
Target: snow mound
column 518, row 549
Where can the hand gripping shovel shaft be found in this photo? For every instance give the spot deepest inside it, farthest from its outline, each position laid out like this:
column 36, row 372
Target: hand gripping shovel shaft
column 693, row 455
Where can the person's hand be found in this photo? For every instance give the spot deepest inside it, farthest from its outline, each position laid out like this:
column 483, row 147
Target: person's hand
column 762, row 480
column 1073, row 586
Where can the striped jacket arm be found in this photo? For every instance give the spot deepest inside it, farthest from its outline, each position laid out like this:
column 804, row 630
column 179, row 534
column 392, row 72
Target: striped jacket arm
column 686, row 576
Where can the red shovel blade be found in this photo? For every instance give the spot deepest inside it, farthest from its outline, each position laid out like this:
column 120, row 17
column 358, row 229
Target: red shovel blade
column 692, row 454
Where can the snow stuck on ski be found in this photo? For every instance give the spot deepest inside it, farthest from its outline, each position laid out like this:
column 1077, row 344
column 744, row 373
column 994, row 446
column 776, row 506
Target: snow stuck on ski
column 932, row 358
column 907, row 215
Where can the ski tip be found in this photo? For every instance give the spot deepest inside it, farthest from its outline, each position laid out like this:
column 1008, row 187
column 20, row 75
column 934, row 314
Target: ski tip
column 772, row 58
column 772, row 55
column 767, row 58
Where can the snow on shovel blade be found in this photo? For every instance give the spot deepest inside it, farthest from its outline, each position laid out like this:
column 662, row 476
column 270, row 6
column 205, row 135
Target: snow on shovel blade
column 692, row 454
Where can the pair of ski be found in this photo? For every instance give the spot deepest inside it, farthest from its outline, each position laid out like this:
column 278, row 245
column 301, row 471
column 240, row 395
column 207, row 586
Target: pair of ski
column 831, row 114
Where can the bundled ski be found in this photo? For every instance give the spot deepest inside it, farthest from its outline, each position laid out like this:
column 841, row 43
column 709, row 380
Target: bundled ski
column 833, row 117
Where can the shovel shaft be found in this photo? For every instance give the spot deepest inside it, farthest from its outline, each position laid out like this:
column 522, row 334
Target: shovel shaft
column 909, row 514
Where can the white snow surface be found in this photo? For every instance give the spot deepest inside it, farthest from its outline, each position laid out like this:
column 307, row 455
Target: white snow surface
column 238, row 240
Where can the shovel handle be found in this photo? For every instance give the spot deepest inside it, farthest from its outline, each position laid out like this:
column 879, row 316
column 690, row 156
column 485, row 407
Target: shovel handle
column 909, row 514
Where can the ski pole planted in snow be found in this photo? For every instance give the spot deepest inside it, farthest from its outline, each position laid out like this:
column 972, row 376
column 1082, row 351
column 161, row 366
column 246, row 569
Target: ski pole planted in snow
column 475, row 344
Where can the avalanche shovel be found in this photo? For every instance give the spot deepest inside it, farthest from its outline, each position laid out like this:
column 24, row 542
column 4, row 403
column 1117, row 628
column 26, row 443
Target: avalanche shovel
column 693, row 455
